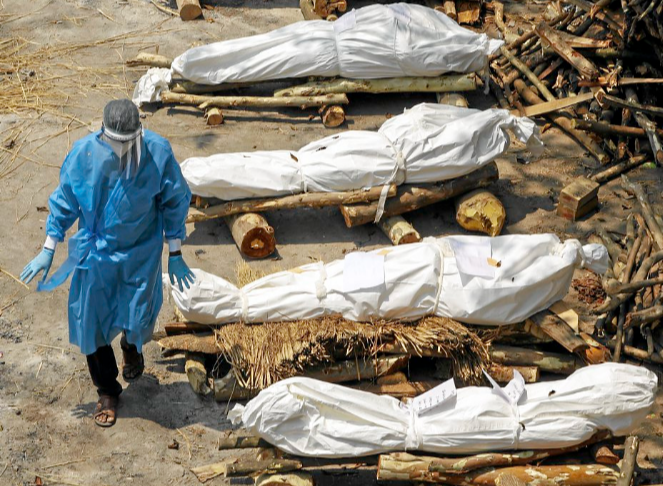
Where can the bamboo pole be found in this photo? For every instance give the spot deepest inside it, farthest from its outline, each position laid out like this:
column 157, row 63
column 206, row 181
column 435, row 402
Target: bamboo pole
column 399, row 231
column 204, row 102
column 456, row 82
column 304, row 200
column 409, row 197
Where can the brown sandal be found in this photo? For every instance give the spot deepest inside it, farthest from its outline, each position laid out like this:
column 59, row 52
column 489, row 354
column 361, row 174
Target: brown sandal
column 105, row 411
column 134, row 364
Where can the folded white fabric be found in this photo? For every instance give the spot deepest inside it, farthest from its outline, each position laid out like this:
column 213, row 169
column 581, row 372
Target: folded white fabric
column 448, row 277
column 427, row 143
column 378, row 41
column 313, row 418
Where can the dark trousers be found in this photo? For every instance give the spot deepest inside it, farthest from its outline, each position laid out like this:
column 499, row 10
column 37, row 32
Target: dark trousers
column 103, row 371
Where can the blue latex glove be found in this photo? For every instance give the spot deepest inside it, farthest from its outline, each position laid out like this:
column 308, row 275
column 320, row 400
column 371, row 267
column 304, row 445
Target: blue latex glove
column 41, row 262
column 178, row 269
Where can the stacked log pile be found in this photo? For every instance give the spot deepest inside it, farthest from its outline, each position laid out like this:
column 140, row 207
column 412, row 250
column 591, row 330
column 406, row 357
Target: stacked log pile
column 606, row 57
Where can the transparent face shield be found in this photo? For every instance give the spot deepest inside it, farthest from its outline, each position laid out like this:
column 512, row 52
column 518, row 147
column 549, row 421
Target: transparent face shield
column 127, row 147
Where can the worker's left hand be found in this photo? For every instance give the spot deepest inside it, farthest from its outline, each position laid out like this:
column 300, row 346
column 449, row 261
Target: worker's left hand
column 178, row 269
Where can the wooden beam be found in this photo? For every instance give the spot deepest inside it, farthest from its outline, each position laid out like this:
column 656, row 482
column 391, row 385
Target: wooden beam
column 560, row 331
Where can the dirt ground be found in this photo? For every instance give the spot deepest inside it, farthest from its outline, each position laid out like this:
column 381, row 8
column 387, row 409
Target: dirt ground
column 46, row 397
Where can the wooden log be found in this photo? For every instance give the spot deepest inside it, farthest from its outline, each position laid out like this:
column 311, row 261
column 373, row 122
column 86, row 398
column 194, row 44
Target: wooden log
column 204, row 102
column 176, row 328
column 631, row 447
column 504, row 374
column 620, row 288
column 607, row 129
column 195, row 343
column 239, row 440
column 582, row 42
column 325, row 8
column 409, row 197
column 409, row 389
column 289, row 479
column 189, row 9
column 196, row 373
column 332, row 116
column 359, row 369
column 226, row 389
column 549, row 362
column 602, row 454
column 578, row 199
column 406, row 467
column 152, row 60
column 252, row 234
column 588, row 6
column 560, row 331
column 453, row 99
column 637, row 353
column 452, row 82
column 647, row 211
column 463, row 465
column 645, row 316
column 522, row 67
column 565, row 123
column 213, row 117
column 393, row 379
column 305, row 200
column 647, row 126
column 468, row 11
column 481, row 211
column 450, row 9
column 308, row 10
column 585, row 67
column 399, row 231
column 234, row 468
column 610, row 100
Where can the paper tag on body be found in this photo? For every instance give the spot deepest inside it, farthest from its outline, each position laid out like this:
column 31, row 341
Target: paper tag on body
column 434, row 397
column 362, row 271
column 513, row 391
column 345, row 22
column 400, row 12
column 472, row 258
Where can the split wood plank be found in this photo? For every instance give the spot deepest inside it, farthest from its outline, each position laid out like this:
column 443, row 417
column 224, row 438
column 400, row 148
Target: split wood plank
column 554, row 105
column 560, row 331
column 585, row 67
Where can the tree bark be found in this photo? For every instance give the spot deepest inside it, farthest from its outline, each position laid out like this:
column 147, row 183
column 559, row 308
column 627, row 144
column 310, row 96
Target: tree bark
column 504, row 374
column 550, row 362
column 304, row 200
column 204, row 102
column 481, row 211
column 565, row 123
column 406, row 467
column 456, row 82
column 196, row 373
column 252, row 234
column 409, row 198
column 399, row 231
column 189, row 9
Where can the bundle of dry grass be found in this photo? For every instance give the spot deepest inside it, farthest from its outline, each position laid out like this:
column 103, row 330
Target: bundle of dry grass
column 264, row 354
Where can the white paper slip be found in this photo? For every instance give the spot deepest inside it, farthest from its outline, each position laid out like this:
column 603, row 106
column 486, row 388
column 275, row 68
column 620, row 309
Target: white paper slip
column 432, row 398
column 513, row 391
column 472, row 258
column 363, row 271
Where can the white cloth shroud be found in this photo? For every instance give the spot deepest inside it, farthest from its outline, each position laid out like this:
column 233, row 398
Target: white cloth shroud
column 419, row 279
column 377, row 41
column 308, row 417
column 427, row 143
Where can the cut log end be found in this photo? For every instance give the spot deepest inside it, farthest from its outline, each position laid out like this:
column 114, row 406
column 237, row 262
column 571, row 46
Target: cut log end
column 213, row 116
column 252, row 234
column 399, row 231
column 189, row 9
column 333, row 116
column 481, row 211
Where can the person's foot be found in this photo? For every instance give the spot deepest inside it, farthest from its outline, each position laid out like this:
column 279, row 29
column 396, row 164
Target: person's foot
column 105, row 411
column 134, row 364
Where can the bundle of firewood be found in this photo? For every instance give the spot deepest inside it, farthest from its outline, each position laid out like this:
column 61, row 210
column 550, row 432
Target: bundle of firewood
column 631, row 314
column 269, row 466
column 601, row 62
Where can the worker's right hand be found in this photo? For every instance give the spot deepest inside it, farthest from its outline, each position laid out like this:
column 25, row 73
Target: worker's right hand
column 41, row 262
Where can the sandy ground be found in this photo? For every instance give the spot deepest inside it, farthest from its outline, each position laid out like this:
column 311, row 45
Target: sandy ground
column 46, row 397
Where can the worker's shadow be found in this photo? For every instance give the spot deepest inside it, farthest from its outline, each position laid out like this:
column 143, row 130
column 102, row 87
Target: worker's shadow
column 171, row 405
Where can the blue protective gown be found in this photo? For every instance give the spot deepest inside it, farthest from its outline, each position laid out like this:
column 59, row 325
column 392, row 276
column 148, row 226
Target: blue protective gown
column 115, row 257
